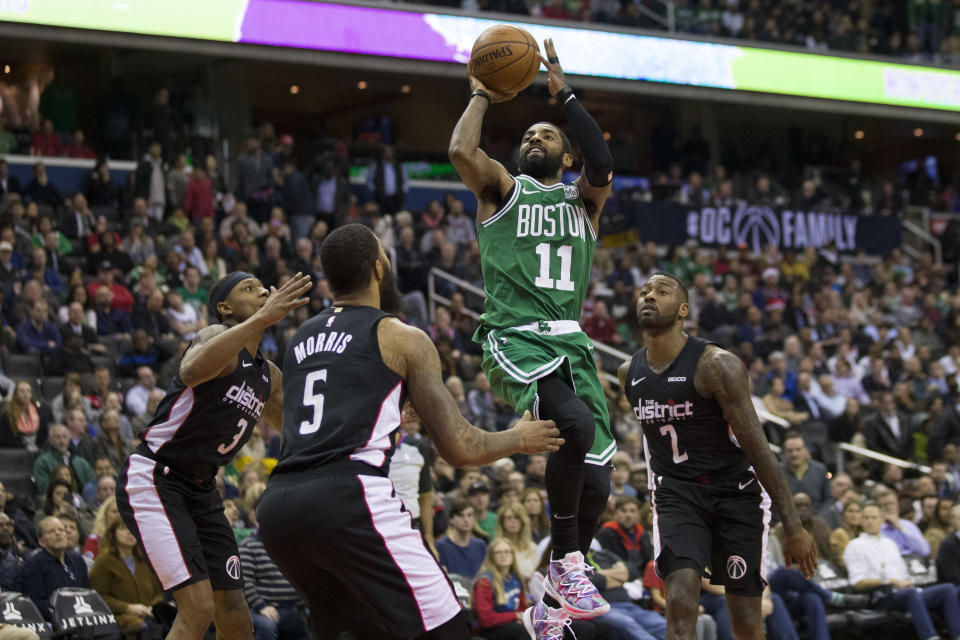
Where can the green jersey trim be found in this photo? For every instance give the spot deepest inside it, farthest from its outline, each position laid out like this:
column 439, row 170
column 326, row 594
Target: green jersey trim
column 516, row 372
column 603, row 456
column 540, row 185
column 506, row 206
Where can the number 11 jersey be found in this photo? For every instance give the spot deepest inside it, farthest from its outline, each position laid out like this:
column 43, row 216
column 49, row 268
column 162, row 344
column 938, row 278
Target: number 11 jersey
column 197, row 429
column 685, row 436
column 536, row 252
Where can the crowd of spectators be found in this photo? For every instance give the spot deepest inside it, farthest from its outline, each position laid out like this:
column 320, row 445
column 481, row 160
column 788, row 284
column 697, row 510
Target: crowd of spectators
column 920, row 30
column 101, row 304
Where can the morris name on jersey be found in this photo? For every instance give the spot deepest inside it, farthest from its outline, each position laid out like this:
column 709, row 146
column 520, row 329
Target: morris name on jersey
column 334, row 341
column 552, row 220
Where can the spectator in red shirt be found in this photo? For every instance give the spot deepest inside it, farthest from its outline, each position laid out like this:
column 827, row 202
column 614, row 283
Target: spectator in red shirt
column 46, row 142
column 78, row 148
column 600, row 326
column 199, row 200
column 122, row 298
column 498, row 594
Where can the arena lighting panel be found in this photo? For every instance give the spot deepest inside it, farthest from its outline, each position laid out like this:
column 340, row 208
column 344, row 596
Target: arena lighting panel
column 373, row 31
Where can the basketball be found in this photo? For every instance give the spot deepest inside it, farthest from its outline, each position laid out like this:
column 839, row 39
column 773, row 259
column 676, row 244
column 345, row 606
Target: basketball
column 505, row 58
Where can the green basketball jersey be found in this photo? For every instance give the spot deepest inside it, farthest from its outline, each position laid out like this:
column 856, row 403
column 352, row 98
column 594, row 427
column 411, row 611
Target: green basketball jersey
column 536, row 252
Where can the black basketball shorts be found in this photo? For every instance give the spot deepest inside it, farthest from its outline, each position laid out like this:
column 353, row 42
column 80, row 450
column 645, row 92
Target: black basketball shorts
column 347, row 544
column 180, row 524
column 722, row 528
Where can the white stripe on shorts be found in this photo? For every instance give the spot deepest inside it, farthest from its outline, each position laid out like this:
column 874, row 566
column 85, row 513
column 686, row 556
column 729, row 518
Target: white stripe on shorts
column 156, row 531
column 431, row 591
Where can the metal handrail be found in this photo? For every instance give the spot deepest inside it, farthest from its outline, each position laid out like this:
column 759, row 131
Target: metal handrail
column 882, row 457
column 925, row 236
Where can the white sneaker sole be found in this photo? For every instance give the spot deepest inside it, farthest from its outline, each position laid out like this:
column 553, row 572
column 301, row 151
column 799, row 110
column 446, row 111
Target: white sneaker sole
column 528, row 622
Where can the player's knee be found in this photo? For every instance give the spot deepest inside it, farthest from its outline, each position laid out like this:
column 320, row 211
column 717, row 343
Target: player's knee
column 197, row 615
column 682, row 617
column 746, row 624
column 577, row 427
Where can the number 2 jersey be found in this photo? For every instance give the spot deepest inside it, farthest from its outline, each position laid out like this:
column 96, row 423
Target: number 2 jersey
column 536, row 254
column 197, row 429
column 340, row 401
column 686, row 437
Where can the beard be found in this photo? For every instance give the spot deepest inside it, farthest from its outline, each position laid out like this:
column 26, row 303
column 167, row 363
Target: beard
column 390, row 298
column 659, row 321
column 541, row 167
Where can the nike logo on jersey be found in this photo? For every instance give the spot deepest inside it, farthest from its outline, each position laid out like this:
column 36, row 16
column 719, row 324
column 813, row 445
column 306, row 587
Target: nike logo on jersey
column 528, row 193
column 634, row 383
column 246, row 364
column 743, row 485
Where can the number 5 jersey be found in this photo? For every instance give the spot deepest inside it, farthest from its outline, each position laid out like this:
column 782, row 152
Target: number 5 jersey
column 197, row 429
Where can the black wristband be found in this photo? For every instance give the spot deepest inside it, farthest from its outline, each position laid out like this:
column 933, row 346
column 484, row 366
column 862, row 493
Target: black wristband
column 565, row 95
column 481, row 93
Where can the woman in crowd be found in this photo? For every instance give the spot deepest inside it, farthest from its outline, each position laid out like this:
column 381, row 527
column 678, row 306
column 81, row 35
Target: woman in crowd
column 106, row 514
column 532, row 500
column 216, row 267
column 513, row 525
column 498, row 594
column 77, row 293
column 71, row 398
column 59, row 493
column 124, row 580
column 938, row 526
column 110, row 444
column 847, row 531
column 24, row 421
column 65, row 473
column 138, row 245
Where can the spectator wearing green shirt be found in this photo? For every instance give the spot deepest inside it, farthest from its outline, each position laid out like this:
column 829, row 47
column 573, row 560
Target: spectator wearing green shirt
column 191, row 291
column 478, row 495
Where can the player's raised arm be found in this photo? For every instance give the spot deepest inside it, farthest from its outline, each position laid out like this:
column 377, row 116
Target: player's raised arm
column 486, row 178
column 596, row 178
column 720, row 375
column 411, row 353
column 214, row 351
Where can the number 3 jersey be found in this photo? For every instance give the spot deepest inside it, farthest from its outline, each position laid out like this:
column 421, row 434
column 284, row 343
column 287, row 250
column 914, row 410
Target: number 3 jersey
column 536, row 253
column 686, row 436
column 340, row 401
column 197, row 429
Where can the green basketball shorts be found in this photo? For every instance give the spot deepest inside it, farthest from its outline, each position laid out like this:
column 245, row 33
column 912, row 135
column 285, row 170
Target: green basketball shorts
column 515, row 358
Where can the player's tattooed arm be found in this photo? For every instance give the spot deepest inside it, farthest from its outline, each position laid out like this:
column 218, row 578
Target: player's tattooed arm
column 622, row 372
column 412, row 355
column 720, row 375
column 273, row 412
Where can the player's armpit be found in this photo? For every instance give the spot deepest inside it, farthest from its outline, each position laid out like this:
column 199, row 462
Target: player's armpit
column 197, row 365
column 273, row 411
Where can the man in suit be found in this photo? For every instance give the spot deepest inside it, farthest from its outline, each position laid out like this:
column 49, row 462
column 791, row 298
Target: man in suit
column 78, row 221
column 77, row 327
column 889, row 430
column 8, row 183
column 815, row 430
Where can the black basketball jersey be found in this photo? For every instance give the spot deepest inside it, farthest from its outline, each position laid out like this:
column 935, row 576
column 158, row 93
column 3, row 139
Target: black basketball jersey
column 685, row 435
column 340, row 401
column 196, row 429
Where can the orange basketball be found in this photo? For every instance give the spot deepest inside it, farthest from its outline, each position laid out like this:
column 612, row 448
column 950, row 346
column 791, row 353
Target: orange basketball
column 505, row 58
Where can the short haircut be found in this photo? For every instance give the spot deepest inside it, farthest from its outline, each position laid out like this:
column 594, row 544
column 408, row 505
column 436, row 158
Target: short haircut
column 348, row 256
column 459, row 506
column 623, row 501
column 681, row 285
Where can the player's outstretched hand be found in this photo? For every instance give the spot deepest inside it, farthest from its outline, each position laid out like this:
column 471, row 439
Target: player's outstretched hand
column 799, row 549
column 539, row 436
column 283, row 300
column 555, row 79
column 495, row 96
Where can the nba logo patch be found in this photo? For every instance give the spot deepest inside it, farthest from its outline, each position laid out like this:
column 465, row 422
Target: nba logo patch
column 571, row 192
column 330, row 321
column 736, row 567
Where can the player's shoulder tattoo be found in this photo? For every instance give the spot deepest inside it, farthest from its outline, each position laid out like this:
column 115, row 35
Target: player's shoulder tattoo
column 209, row 333
column 718, row 372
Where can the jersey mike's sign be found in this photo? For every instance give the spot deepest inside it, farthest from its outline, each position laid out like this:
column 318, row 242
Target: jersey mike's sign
column 751, row 227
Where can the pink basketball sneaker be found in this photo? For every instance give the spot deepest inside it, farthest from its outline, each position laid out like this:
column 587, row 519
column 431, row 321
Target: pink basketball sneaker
column 544, row 623
column 568, row 584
